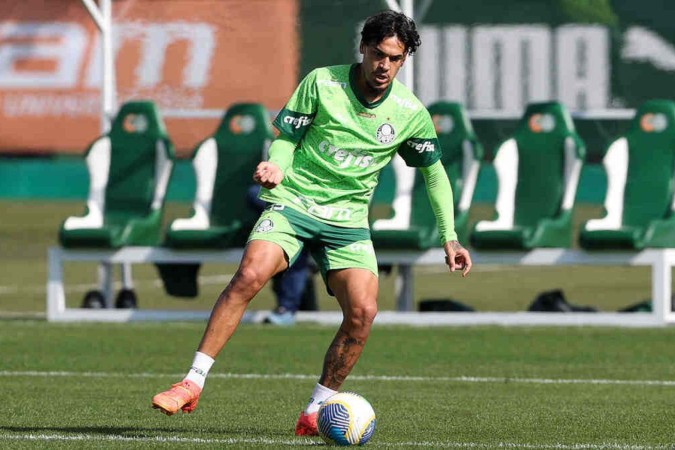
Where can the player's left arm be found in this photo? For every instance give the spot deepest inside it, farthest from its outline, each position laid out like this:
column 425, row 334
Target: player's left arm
column 423, row 150
column 441, row 198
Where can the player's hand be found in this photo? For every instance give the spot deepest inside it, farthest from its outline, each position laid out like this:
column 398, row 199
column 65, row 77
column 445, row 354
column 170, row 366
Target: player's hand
column 268, row 175
column 457, row 257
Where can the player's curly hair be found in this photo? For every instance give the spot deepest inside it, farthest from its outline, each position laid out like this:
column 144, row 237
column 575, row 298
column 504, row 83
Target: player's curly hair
column 391, row 23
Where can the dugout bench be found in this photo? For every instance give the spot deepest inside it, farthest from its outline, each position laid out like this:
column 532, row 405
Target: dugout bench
column 660, row 260
column 543, row 125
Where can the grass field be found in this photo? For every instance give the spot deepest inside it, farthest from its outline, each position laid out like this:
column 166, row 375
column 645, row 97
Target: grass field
column 89, row 386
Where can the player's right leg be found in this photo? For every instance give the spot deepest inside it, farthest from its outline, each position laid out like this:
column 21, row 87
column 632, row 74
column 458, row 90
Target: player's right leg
column 182, row 396
column 261, row 260
column 289, row 288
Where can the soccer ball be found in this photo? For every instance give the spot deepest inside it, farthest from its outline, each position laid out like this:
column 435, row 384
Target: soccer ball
column 346, row 419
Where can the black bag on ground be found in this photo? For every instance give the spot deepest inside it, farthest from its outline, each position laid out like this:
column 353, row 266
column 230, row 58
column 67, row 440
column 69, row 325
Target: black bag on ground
column 646, row 306
column 554, row 301
column 179, row 280
column 443, row 305
column 643, row 306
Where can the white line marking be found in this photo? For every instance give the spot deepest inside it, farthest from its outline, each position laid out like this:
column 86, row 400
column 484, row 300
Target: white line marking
column 173, row 439
column 305, row 441
column 293, row 376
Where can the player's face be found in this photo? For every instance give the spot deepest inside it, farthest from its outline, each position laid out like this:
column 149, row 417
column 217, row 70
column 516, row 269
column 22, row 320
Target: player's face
column 381, row 62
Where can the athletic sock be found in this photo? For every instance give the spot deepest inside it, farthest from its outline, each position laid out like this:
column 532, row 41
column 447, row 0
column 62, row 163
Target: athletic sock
column 200, row 369
column 319, row 395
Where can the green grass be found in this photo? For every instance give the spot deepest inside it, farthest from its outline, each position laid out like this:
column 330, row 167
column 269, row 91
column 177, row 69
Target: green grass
column 89, row 386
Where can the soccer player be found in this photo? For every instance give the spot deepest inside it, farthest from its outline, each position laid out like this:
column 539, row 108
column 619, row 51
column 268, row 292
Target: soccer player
column 341, row 126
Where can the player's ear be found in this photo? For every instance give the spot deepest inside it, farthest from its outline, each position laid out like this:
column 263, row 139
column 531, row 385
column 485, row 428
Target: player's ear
column 362, row 48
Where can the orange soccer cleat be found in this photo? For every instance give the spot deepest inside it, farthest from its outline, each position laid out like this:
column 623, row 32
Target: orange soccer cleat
column 306, row 425
column 183, row 396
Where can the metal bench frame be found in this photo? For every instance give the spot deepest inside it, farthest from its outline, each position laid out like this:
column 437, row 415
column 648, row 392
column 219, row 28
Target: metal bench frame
column 660, row 260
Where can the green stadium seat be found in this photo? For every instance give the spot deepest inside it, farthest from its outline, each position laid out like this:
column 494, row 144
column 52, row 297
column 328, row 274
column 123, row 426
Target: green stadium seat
column 538, row 172
column 224, row 164
column 221, row 215
column 129, row 171
column 639, row 203
column 402, row 195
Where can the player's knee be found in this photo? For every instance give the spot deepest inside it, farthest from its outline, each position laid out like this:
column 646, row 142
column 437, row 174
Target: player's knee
column 248, row 280
column 361, row 317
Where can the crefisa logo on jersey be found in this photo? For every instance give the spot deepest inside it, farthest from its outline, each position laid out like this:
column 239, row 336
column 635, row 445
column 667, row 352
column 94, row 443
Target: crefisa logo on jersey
column 385, row 133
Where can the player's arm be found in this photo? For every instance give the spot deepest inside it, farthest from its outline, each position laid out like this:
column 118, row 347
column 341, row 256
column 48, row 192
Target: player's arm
column 442, row 203
column 423, row 150
column 292, row 122
column 270, row 173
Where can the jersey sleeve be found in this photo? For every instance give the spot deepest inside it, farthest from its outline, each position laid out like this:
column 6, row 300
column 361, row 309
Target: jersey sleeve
column 442, row 201
column 422, row 149
column 296, row 117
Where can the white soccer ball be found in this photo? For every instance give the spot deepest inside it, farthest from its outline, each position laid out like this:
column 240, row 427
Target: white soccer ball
column 346, row 419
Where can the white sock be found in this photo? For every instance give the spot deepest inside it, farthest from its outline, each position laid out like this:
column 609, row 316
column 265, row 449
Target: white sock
column 319, row 395
column 200, row 369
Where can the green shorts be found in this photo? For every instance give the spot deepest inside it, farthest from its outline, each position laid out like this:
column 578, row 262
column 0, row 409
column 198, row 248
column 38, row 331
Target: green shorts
column 331, row 247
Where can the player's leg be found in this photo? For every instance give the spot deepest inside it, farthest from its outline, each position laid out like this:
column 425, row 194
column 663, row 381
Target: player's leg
column 271, row 240
column 349, row 267
column 289, row 287
column 356, row 291
column 261, row 261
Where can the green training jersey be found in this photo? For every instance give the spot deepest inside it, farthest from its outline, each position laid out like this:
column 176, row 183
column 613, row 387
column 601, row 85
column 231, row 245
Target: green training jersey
column 342, row 143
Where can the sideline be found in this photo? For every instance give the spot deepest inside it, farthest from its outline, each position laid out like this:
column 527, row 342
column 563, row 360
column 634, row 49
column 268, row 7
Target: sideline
column 307, row 442
column 292, row 376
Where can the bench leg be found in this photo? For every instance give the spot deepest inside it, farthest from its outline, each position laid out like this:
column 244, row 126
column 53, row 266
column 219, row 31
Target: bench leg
column 127, row 279
column 56, row 295
column 404, row 288
column 105, row 282
column 661, row 288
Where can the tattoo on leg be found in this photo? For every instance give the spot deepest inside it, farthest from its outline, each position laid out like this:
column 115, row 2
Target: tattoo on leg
column 341, row 357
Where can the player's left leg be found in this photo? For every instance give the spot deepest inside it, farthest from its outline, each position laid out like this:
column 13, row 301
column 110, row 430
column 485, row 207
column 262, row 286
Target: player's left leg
column 349, row 268
column 356, row 291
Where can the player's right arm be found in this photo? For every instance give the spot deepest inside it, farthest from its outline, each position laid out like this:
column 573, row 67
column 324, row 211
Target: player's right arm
column 293, row 121
column 269, row 173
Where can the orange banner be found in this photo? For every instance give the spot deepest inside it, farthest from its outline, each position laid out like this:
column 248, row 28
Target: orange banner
column 183, row 54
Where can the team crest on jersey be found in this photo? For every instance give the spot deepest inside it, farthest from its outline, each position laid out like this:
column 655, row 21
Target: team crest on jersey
column 264, row 226
column 385, row 133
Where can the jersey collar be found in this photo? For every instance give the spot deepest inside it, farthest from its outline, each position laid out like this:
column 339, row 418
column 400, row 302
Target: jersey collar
column 357, row 92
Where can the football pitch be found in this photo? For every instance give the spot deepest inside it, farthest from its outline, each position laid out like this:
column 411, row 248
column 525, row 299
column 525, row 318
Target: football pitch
column 90, row 385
